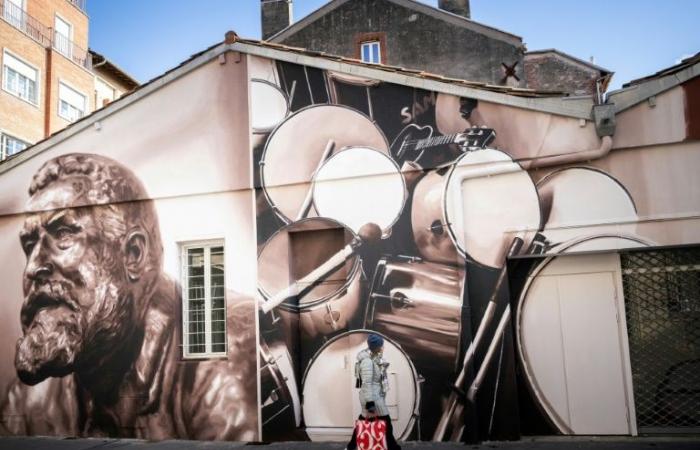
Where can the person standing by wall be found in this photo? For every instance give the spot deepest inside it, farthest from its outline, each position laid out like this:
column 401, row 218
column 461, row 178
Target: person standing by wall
column 371, row 370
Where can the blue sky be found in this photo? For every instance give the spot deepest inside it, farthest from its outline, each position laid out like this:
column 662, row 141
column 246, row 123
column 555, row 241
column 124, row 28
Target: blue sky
column 633, row 38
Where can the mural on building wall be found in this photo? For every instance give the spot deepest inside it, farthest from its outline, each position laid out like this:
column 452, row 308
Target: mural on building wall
column 453, row 188
column 100, row 352
column 375, row 208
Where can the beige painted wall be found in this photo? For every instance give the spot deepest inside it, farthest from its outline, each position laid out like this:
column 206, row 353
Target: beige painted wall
column 658, row 120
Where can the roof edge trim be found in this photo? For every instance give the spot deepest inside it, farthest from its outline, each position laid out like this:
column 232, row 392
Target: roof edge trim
column 637, row 93
column 563, row 106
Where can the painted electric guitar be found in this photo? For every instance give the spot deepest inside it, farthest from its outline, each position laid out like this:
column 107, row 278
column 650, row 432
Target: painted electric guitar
column 413, row 141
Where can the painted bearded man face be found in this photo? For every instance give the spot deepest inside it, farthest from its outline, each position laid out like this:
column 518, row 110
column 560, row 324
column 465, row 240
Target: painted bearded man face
column 85, row 267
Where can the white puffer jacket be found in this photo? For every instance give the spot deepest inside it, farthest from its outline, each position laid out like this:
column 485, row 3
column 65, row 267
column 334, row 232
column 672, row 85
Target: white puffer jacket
column 371, row 389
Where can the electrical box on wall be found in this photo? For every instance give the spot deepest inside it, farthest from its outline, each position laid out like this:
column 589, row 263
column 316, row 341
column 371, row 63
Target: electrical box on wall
column 604, row 119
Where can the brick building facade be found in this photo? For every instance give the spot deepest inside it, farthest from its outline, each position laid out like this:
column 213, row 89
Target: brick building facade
column 48, row 76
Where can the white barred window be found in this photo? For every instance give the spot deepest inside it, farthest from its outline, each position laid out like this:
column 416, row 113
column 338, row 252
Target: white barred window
column 20, row 79
column 10, row 145
column 204, row 304
column 71, row 103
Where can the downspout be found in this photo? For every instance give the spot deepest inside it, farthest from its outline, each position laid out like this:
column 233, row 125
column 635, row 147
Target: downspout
column 47, row 91
column 603, row 116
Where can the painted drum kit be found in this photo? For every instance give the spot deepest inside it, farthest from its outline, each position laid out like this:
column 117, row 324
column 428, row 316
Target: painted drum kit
column 327, row 173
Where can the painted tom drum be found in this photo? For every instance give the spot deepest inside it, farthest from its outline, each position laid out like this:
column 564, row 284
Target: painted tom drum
column 584, row 201
column 295, row 149
column 293, row 252
column 359, row 185
column 473, row 209
column 268, row 108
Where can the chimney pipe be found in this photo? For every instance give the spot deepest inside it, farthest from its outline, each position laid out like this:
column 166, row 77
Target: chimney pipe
column 459, row 7
column 275, row 15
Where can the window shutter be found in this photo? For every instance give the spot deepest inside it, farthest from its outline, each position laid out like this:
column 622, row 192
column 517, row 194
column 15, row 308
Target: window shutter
column 20, row 67
column 71, row 96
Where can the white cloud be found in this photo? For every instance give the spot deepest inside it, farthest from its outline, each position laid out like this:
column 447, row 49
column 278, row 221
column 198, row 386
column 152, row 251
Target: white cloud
column 682, row 57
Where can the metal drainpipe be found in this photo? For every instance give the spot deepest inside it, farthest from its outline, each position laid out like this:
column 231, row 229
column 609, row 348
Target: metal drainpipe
column 47, row 94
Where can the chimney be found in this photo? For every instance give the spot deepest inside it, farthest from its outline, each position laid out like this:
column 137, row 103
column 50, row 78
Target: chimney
column 459, row 7
column 276, row 15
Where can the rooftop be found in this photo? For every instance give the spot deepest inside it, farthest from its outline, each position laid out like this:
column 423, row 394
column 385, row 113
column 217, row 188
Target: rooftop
column 100, row 61
column 412, row 4
column 684, row 64
column 546, row 101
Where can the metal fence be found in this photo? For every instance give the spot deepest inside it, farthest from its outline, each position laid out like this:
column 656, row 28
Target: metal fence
column 18, row 18
column 662, row 302
column 70, row 50
column 79, row 3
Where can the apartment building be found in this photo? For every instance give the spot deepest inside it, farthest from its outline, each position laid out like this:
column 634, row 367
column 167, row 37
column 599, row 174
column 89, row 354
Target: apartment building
column 49, row 77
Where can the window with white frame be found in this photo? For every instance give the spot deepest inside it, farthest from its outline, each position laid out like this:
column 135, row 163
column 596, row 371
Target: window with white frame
column 10, row 145
column 63, row 37
column 71, row 103
column 204, row 304
column 19, row 78
column 370, row 52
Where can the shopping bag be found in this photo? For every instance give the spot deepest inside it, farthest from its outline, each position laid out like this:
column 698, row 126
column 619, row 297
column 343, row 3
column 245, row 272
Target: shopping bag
column 371, row 434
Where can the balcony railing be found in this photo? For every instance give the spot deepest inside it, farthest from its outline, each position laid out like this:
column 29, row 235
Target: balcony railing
column 19, row 19
column 63, row 45
column 79, row 3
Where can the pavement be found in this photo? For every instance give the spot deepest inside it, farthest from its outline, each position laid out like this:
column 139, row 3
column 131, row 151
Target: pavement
column 541, row 443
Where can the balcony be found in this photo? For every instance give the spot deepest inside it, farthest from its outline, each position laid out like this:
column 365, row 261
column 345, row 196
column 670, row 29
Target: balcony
column 44, row 35
column 80, row 4
column 63, row 45
column 18, row 18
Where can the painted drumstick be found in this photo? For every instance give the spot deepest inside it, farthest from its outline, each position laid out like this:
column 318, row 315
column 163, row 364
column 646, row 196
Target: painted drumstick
column 500, row 330
column 306, row 205
column 368, row 233
column 452, row 410
column 458, row 429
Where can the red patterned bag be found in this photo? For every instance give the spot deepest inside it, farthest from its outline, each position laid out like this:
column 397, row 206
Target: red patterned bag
column 371, row 434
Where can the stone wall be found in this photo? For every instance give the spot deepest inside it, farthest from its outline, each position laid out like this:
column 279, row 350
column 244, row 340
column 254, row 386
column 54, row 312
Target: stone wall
column 415, row 40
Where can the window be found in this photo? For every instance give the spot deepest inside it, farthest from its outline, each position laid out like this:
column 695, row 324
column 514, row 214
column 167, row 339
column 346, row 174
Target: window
column 10, row 145
column 370, row 52
column 204, row 305
column 13, row 12
column 71, row 103
column 104, row 93
column 19, row 79
column 63, row 37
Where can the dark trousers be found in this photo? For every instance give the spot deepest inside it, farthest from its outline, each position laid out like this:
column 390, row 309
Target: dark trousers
column 390, row 440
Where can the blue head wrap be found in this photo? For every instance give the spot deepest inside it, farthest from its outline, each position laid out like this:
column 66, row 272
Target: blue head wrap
column 374, row 341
